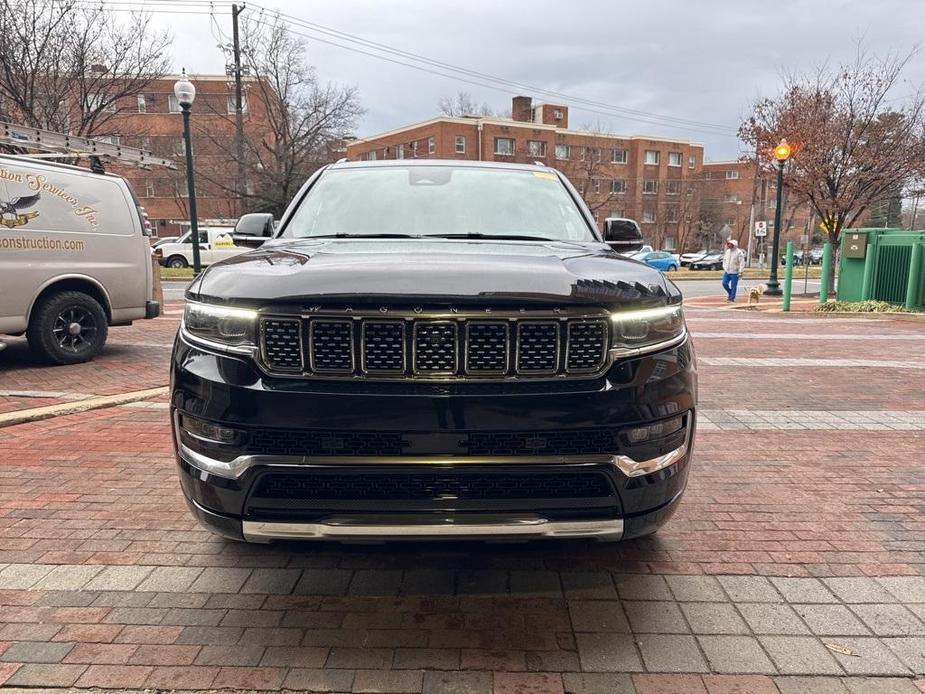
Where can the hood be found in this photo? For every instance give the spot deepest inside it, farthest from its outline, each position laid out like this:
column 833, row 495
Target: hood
column 432, row 271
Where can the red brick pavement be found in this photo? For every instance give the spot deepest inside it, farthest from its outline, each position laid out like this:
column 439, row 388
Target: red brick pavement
column 163, row 604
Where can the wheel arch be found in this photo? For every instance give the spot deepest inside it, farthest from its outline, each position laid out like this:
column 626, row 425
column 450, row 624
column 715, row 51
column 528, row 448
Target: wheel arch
column 76, row 283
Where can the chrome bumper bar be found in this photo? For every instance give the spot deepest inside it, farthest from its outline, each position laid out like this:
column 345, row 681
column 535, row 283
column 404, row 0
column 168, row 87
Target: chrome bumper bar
column 522, row 526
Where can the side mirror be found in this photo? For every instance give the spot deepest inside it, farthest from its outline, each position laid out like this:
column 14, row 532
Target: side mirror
column 623, row 235
column 253, row 229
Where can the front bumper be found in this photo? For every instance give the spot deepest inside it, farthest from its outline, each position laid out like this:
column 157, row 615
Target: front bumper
column 437, row 425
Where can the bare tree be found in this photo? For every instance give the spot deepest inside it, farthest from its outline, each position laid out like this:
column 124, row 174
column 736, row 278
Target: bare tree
column 71, row 66
column 853, row 145
column 305, row 119
column 464, row 105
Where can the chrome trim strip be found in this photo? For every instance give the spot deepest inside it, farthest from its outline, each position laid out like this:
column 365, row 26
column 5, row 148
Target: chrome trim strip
column 410, row 527
column 193, row 340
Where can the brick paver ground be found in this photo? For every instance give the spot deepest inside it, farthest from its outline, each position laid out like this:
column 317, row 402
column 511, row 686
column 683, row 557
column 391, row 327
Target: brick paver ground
column 795, row 564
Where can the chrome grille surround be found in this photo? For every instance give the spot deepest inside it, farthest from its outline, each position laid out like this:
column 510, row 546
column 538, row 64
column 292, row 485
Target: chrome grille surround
column 477, row 345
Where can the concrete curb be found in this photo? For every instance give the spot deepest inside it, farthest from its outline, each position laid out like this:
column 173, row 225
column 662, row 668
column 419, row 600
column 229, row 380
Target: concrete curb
column 34, row 414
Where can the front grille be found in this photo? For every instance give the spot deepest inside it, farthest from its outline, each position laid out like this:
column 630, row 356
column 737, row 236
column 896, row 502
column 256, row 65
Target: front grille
column 521, row 345
column 329, row 442
column 434, row 486
column 283, row 343
column 325, row 442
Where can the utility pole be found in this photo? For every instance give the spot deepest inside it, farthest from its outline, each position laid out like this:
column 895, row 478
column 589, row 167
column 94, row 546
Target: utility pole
column 241, row 187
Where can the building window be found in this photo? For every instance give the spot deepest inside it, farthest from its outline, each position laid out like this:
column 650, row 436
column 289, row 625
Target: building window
column 563, row 152
column 142, row 104
column 399, row 151
column 671, row 213
column 179, row 147
column 730, row 197
column 590, row 153
column 414, row 148
column 596, row 185
column 181, row 187
column 557, row 114
column 674, row 159
column 616, row 212
column 732, row 175
column 536, row 148
column 670, row 243
column 673, row 187
column 95, row 102
column 431, row 145
column 146, row 142
column 173, row 106
column 652, row 156
column 108, row 139
column 618, row 156
column 648, row 215
column 460, row 144
column 650, row 186
column 618, row 185
column 691, row 161
column 371, row 156
column 149, row 188
column 504, row 146
column 232, row 102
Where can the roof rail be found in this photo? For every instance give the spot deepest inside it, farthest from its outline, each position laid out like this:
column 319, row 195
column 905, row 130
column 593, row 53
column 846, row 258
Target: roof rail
column 49, row 144
column 341, row 160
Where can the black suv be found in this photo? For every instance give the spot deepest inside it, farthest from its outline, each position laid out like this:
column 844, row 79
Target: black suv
column 433, row 349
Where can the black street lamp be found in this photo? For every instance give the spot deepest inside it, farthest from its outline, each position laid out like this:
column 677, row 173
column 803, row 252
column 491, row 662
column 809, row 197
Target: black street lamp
column 186, row 93
column 781, row 154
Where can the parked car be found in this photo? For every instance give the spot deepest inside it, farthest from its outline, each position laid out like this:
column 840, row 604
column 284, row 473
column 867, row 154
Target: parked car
column 74, row 258
column 433, row 349
column 661, row 260
column 687, row 258
column 711, row 261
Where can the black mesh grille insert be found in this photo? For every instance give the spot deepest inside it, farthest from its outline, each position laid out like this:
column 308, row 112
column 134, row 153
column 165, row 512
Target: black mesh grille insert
column 431, row 486
column 435, row 347
column 326, row 442
column 282, row 343
column 587, row 343
column 537, row 347
column 487, row 348
column 569, row 442
column 384, row 346
column 332, row 345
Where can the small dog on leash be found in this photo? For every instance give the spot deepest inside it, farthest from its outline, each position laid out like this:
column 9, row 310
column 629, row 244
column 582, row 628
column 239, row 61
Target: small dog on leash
column 754, row 294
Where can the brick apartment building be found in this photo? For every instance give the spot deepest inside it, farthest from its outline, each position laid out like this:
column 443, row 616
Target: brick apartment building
column 652, row 180
column 153, row 121
column 729, row 187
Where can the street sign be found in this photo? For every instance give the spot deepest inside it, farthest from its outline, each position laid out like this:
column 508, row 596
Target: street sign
column 761, row 228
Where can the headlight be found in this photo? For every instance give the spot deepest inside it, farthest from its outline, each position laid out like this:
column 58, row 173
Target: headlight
column 224, row 325
column 646, row 330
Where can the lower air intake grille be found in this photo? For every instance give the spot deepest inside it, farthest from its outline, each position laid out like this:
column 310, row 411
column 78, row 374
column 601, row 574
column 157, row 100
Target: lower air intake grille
column 434, row 486
column 326, row 442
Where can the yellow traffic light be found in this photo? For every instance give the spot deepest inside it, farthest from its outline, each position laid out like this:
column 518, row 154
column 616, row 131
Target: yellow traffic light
column 782, row 151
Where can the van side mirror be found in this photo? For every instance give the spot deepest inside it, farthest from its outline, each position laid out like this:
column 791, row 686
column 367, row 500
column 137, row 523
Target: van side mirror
column 253, row 229
column 623, row 235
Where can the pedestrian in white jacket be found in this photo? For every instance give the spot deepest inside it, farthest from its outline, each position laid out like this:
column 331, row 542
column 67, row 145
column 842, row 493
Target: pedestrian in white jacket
column 733, row 264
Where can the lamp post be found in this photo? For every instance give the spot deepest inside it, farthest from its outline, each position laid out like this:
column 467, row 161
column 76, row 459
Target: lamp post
column 781, row 154
column 186, row 93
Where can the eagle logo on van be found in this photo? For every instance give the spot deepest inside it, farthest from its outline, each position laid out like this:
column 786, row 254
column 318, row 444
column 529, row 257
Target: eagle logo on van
column 10, row 215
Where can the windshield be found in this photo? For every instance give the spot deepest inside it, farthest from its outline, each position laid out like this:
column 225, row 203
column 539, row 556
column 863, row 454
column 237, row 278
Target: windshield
column 439, row 201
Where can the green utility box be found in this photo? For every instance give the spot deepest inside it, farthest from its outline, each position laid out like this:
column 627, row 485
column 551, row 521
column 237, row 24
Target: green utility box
column 882, row 264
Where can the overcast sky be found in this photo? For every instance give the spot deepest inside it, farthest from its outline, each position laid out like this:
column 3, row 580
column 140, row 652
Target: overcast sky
column 698, row 60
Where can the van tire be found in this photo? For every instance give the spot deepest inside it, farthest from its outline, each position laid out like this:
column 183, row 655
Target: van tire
column 176, row 261
column 51, row 330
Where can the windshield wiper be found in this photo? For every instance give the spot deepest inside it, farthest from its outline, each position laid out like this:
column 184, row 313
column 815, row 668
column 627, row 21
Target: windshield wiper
column 347, row 235
column 491, row 237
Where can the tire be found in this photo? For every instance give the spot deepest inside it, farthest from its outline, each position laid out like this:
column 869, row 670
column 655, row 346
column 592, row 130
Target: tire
column 177, row 261
column 68, row 328
column 672, row 268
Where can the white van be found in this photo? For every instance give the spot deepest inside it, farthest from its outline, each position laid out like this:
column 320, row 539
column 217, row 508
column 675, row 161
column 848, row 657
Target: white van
column 74, row 257
column 216, row 242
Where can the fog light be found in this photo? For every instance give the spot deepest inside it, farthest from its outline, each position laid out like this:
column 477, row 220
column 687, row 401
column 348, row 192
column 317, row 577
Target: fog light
column 654, row 431
column 211, row 433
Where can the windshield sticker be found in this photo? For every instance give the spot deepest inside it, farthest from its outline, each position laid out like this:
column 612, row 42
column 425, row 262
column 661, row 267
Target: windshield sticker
column 545, row 174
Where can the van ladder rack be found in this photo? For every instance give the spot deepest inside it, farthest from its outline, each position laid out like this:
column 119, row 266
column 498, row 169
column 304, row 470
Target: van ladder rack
column 52, row 143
